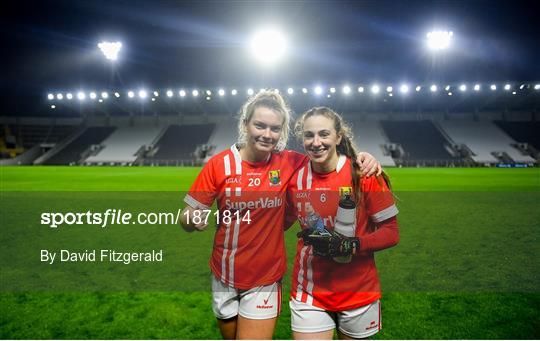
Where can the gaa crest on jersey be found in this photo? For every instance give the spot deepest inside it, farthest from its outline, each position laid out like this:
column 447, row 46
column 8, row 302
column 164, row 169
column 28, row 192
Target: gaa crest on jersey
column 343, row 191
column 273, row 175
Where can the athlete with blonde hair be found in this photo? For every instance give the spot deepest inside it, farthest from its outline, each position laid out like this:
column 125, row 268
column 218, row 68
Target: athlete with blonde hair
column 249, row 182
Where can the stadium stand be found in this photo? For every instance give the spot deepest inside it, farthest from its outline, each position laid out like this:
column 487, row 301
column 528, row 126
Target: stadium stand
column 523, row 132
column 72, row 152
column 30, row 135
column 124, row 145
column 419, row 142
column 179, row 143
column 485, row 140
column 369, row 136
column 222, row 137
column 403, row 139
column 8, row 144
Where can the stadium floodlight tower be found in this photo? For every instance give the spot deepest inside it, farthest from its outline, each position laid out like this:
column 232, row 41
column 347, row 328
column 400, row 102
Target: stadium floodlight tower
column 268, row 46
column 110, row 49
column 439, row 40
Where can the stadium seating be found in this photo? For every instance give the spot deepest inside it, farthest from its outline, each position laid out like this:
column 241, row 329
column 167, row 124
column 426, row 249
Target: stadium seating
column 223, row 136
column 369, row 136
column 72, row 152
column 180, row 142
column 421, row 141
column 31, row 135
column 524, row 132
column 124, row 144
column 450, row 140
column 484, row 139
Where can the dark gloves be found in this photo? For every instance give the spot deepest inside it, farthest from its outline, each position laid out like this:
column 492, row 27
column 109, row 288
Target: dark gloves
column 329, row 244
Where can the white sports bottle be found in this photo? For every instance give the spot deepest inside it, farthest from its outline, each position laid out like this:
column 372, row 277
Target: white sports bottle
column 345, row 222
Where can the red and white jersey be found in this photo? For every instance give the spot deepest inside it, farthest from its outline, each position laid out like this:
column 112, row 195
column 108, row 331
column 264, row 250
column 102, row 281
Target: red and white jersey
column 247, row 254
column 323, row 282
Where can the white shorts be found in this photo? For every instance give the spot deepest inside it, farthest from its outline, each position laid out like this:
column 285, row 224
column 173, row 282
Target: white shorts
column 258, row 303
column 357, row 323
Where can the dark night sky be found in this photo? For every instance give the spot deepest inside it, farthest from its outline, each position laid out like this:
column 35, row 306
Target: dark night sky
column 51, row 45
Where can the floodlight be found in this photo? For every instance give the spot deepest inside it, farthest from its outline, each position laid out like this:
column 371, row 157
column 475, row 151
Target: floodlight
column 477, row 87
column 318, row 90
column 117, row 94
column 131, row 94
column 450, row 93
column 493, row 87
column 53, row 106
column 304, row 90
column 268, row 45
column 93, row 95
column 208, row 93
column 234, row 92
column 169, row 93
column 439, row 40
column 195, row 93
column 143, row 94
column 81, row 96
column 250, row 91
column 104, row 95
column 346, row 89
column 69, row 96
column 463, row 88
column 360, row 89
column 50, row 97
column 522, row 86
column 110, row 49
column 59, row 97
column 537, row 87
column 404, row 88
column 433, row 88
column 389, row 89
column 507, row 87
column 290, row 91
column 100, row 100
column 333, row 90
column 182, row 93
column 153, row 99
column 418, row 88
column 447, row 88
column 375, row 89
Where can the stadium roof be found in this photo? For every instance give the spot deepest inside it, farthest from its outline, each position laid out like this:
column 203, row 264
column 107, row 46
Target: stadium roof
column 53, row 45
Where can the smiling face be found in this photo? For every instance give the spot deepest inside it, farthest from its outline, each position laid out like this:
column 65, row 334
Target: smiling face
column 263, row 130
column 320, row 141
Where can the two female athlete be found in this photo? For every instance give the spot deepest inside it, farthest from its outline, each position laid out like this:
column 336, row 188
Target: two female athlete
column 249, row 182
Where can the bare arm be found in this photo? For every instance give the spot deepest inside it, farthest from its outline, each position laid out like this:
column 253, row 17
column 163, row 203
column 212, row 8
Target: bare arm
column 188, row 212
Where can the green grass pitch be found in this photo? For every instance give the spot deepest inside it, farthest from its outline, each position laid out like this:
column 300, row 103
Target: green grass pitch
column 467, row 266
